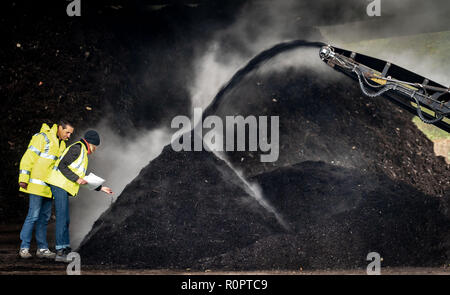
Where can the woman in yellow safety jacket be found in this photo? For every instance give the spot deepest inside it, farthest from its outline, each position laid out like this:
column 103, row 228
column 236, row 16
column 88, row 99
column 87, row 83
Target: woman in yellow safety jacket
column 65, row 179
column 38, row 161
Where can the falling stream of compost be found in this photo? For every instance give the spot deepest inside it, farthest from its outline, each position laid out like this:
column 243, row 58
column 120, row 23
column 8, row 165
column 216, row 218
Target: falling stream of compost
column 253, row 189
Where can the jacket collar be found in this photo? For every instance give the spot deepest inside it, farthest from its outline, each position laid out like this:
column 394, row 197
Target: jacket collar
column 83, row 141
column 46, row 128
column 52, row 131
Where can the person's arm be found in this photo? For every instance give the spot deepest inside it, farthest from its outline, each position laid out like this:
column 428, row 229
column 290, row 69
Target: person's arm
column 35, row 147
column 72, row 154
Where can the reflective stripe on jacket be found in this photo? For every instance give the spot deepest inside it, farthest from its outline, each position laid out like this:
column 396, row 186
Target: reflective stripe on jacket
column 79, row 167
column 39, row 159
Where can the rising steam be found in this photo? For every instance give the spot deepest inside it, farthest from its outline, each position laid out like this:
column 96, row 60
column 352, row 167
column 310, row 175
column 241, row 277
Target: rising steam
column 118, row 161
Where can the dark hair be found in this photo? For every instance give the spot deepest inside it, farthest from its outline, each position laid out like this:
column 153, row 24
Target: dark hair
column 64, row 123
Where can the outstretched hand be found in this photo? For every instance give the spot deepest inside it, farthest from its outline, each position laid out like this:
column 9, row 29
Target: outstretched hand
column 106, row 190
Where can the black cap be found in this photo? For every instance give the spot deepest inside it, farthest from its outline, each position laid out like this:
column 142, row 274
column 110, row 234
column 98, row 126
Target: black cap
column 92, row 137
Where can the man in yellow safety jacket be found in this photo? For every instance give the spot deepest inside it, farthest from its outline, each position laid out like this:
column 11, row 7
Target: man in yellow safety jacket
column 36, row 164
column 65, row 179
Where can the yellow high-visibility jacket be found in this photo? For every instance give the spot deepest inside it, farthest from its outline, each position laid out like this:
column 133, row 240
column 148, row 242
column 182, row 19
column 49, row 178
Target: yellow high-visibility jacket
column 39, row 159
column 79, row 167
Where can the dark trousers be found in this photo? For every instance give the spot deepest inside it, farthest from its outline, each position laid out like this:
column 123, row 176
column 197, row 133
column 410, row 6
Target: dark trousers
column 62, row 217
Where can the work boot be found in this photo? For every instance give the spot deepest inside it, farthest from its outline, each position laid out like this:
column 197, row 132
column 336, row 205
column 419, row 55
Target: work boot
column 25, row 253
column 45, row 253
column 61, row 255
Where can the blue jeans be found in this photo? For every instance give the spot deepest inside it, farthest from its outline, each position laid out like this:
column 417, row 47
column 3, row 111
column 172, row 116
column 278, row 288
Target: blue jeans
column 62, row 217
column 39, row 211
